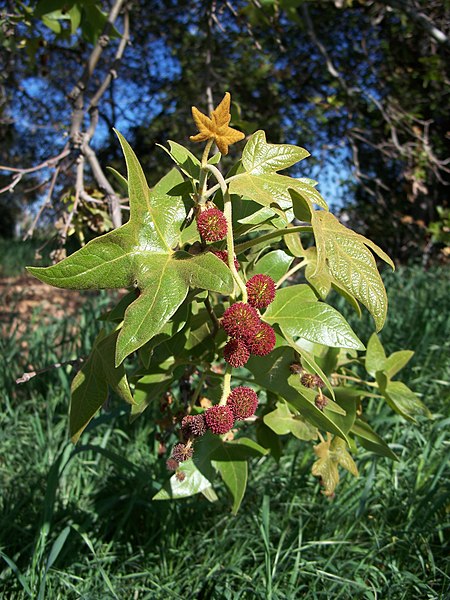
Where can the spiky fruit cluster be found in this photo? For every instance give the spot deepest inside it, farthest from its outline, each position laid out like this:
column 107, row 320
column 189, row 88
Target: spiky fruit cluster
column 264, row 341
column 241, row 321
column 308, row 380
column 320, row 401
column 219, row 419
column 172, row 464
column 261, row 290
column 236, row 353
column 311, row 381
column 193, row 426
column 243, row 402
column 212, row 225
column 181, row 452
column 223, row 255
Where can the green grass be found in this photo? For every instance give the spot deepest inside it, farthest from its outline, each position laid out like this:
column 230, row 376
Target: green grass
column 81, row 524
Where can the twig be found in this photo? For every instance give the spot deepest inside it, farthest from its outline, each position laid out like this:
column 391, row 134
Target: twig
column 213, row 316
column 30, row 374
column 79, row 186
column 48, row 163
column 46, row 203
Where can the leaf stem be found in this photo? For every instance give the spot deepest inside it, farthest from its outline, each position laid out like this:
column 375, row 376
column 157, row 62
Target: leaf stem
column 294, row 269
column 203, row 173
column 213, row 316
column 197, row 392
column 214, row 189
column 270, row 236
column 226, row 385
column 350, row 378
column 227, row 211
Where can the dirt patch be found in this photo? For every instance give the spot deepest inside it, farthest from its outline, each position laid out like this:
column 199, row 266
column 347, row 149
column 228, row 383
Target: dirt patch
column 23, row 296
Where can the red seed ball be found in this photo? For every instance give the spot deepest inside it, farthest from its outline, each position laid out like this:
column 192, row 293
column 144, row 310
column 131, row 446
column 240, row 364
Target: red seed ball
column 236, row 353
column 241, row 321
column 193, row 425
column 243, row 402
column 264, row 341
column 261, row 290
column 223, row 255
column 219, row 419
column 212, row 225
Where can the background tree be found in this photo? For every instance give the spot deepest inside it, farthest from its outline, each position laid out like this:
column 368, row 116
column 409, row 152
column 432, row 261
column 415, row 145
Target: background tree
column 362, row 85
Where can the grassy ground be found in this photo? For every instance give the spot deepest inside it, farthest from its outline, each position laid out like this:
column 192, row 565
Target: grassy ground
column 80, row 524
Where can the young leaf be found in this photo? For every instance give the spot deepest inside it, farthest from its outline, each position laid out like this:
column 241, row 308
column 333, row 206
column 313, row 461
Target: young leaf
column 403, row 400
column 217, row 127
column 188, row 162
column 350, row 263
column 282, row 421
column 260, row 157
column 375, row 355
column 396, row 361
column 140, row 253
column 90, row 384
column 370, row 440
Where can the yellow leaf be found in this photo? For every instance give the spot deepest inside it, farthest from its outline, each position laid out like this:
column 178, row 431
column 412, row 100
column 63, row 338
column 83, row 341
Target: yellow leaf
column 331, row 453
column 217, row 126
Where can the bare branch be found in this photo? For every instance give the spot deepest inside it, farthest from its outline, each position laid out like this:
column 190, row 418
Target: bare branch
column 30, row 374
column 45, row 204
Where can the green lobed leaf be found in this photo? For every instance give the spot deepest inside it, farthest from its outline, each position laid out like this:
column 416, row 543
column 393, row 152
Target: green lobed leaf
column 260, row 157
column 141, row 254
column 188, row 162
column 90, row 384
column 270, row 188
column 320, row 281
column 350, row 263
column 314, row 321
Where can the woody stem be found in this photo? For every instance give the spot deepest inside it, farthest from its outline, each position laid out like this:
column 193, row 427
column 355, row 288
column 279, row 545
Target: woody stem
column 227, row 211
column 226, row 385
column 203, row 171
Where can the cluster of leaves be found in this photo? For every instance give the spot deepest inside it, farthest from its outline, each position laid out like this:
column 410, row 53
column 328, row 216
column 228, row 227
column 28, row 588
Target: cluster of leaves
column 161, row 346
